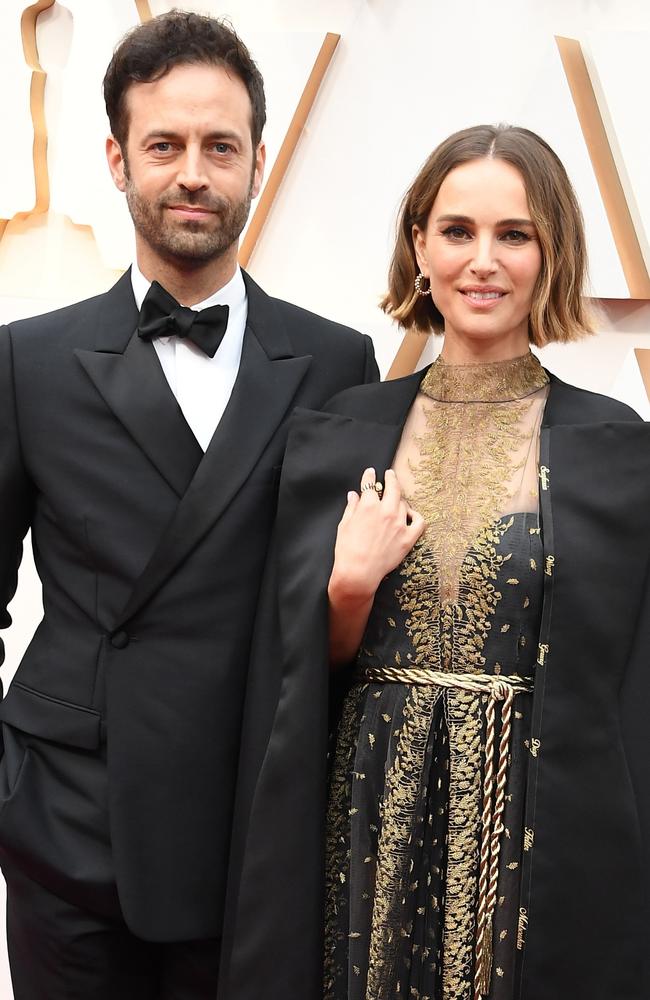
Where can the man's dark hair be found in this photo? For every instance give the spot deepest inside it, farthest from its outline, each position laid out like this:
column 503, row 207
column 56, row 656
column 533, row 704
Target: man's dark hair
column 178, row 38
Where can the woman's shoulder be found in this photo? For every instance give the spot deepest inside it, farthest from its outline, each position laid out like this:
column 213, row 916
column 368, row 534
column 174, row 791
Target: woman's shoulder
column 569, row 404
column 376, row 400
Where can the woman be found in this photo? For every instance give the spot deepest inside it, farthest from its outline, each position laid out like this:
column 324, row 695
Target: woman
column 488, row 813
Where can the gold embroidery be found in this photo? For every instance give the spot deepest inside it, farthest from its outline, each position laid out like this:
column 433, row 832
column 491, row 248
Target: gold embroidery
column 522, row 927
column 465, row 722
column 458, row 639
column 401, row 788
column 337, row 841
column 470, row 459
column 496, row 382
column 543, row 475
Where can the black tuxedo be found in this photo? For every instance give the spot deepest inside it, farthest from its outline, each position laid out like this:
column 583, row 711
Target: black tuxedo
column 123, row 722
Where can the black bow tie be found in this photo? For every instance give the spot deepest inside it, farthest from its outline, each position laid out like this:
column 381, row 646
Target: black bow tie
column 162, row 316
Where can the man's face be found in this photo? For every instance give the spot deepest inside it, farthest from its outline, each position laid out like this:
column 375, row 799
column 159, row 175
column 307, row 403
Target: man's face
column 189, row 170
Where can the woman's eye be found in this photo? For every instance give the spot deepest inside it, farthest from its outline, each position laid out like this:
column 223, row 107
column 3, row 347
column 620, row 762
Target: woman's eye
column 456, row 233
column 515, row 236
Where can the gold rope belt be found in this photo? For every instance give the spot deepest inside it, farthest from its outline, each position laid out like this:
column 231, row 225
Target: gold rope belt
column 500, row 690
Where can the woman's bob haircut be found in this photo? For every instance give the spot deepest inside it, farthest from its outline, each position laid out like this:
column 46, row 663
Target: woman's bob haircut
column 559, row 311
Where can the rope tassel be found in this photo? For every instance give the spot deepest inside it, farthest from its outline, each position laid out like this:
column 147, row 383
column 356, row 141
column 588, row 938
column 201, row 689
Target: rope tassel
column 499, row 690
column 492, row 830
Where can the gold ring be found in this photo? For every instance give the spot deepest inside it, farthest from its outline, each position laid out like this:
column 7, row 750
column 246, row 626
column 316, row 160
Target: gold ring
column 379, row 487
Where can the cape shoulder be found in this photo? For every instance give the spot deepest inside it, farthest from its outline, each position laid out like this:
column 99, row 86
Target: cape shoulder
column 567, row 404
column 382, row 402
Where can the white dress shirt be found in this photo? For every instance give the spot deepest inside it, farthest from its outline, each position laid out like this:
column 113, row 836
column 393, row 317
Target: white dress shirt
column 202, row 385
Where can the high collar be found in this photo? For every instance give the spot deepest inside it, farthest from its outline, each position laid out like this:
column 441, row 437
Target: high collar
column 484, row 382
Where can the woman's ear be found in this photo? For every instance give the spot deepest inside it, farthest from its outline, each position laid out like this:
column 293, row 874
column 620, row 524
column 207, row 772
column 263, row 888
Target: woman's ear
column 420, row 248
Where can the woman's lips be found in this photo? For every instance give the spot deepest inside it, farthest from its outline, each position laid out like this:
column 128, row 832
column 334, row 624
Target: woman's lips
column 482, row 298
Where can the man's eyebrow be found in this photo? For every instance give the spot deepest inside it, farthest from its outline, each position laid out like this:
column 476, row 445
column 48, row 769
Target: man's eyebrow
column 501, row 222
column 214, row 135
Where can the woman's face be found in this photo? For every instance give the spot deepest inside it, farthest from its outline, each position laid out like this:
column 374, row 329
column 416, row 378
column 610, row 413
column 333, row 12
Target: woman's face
column 481, row 254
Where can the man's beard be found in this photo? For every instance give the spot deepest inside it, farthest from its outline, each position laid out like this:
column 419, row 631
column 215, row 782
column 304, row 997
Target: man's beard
column 187, row 241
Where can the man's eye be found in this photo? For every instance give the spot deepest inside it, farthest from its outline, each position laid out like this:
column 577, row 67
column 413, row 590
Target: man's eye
column 222, row 147
column 456, row 233
column 162, row 147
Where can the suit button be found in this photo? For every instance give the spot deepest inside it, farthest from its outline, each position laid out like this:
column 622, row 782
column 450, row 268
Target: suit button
column 120, row 640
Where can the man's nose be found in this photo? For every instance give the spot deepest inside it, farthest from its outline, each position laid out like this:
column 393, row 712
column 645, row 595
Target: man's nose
column 192, row 173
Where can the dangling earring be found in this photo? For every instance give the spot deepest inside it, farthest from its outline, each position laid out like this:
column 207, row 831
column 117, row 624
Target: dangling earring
column 418, row 285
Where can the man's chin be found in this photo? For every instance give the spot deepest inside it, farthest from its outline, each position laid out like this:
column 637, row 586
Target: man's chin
column 190, row 252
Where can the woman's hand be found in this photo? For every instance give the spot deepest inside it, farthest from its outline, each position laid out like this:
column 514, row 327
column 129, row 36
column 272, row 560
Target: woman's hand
column 377, row 530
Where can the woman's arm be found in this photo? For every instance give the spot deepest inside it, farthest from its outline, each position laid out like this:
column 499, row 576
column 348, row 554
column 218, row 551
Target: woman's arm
column 373, row 536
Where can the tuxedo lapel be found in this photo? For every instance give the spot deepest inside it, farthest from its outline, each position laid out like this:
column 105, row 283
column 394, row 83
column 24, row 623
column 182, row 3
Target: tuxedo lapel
column 263, row 393
column 127, row 374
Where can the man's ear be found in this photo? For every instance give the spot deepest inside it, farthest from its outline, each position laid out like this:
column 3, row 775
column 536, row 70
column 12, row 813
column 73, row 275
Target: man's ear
column 116, row 163
column 258, row 172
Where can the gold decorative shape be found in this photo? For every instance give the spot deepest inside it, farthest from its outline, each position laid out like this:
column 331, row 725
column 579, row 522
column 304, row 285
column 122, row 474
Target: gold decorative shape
column 36, row 100
column 609, row 182
column 41, row 233
column 144, row 10
column 643, row 360
column 408, row 355
column 288, row 147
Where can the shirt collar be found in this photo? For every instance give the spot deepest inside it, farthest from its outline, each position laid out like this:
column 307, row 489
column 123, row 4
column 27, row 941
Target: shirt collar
column 233, row 294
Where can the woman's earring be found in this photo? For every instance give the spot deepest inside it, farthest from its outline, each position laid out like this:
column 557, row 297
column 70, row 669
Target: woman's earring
column 418, row 285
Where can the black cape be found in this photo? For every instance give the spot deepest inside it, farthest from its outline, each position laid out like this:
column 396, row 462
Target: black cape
column 584, row 917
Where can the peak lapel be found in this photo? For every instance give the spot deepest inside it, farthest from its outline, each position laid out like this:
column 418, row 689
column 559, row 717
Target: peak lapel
column 127, row 374
column 134, row 386
column 263, row 392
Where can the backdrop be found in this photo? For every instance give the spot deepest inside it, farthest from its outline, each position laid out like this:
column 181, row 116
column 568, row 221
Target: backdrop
column 403, row 75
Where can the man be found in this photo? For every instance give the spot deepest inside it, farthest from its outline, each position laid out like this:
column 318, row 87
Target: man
column 147, row 467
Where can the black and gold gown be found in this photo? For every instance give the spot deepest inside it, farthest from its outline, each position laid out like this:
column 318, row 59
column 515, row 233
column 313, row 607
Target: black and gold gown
column 425, row 816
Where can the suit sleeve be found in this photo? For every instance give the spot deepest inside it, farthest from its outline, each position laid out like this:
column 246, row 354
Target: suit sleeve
column 16, row 492
column 371, row 371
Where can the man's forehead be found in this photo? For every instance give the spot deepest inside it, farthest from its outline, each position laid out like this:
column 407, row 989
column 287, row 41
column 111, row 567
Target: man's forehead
column 191, row 90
